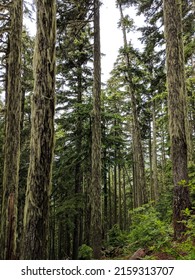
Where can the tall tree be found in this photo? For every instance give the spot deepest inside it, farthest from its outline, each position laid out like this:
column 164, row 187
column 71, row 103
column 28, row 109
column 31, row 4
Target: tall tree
column 12, row 137
column 139, row 169
column 36, row 213
column 177, row 110
column 96, row 139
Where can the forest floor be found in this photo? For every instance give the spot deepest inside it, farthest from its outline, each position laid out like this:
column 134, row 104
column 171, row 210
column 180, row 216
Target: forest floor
column 176, row 252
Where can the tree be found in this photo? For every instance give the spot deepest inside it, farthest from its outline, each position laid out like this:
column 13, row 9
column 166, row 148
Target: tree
column 36, row 212
column 177, row 110
column 12, row 134
column 139, row 168
column 96, row 139
column 72, row 160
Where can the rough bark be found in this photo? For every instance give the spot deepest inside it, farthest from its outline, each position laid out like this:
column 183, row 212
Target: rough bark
column 12, row 134
column 177, row 110
column 96, row 139
column 36, row 213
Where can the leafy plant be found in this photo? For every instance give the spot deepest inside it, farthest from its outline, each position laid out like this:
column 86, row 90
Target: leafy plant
column 85, row 252
column 116, row 237
column 147, row 230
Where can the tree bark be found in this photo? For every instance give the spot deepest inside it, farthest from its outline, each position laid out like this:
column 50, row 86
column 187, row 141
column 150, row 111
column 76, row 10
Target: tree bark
column 96, row 139
column 36, row 213
column 177, row 110
column 12, row 137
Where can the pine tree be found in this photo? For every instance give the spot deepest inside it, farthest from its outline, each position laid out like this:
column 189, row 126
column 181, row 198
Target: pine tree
column 139, row 168
column 36, row 213
column 177, row 110
column 96, row 140
column 12, row 134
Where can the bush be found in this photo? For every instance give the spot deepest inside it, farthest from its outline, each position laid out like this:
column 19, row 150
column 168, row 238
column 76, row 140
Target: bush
column 116, row 237
column 85, row 252
column 147, row 229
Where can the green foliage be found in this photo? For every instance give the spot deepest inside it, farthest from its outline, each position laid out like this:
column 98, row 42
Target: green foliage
column 147, row 230
column 192, row 182
column 116, row 237
column 164, row 206
column 85, row 252
column 185, row 249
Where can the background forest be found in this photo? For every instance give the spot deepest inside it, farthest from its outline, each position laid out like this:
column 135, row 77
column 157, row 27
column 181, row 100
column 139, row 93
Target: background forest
column 112, row 173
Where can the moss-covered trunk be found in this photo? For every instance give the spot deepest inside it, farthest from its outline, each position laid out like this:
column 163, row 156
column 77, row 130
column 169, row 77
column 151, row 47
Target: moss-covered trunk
column 36, row 213
column 12, row 137
column 177, row 110
column 96, row 140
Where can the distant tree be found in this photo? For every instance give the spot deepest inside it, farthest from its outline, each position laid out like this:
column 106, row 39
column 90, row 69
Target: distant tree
column 138, row 157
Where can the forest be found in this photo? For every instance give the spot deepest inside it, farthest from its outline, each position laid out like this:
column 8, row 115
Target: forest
column 92, row 169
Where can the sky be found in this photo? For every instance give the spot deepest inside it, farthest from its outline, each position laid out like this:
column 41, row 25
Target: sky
column 111, row 36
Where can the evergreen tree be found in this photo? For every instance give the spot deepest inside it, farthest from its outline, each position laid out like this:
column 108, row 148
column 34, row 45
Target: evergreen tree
column 36, row 213
column 96, row 140
column 177, row 111
column 12, row 134
column 139, row 169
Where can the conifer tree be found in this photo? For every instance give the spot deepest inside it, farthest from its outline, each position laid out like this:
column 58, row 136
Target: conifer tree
column 177, row 110
column 96, row 139
column 36, row 212
column 140, row 196
column 12, row 133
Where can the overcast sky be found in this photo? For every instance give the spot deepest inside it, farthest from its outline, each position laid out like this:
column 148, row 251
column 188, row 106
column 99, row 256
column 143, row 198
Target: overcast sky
column 111, row 36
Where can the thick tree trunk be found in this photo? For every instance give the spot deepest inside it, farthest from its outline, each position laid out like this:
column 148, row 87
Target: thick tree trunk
column 96, row 140
column 36, row 213
column 177, row 110
column 12, row 137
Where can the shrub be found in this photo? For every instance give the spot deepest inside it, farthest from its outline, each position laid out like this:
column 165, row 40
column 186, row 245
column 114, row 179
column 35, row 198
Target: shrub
column 116, row 237
column 85, row 252
column 147, row 229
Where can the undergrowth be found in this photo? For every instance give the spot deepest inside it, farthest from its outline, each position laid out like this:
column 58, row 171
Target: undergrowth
column 154, row 235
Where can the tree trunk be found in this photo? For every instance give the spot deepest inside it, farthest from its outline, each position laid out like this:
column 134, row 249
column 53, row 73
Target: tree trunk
column 115, row 186
column 12, row 137
column 110, row 199
column 78, row 175
column 105, row 194
column 154, row 156
column 177, row 110
column 120, row 216
column 96, row 139
column 36, row 213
